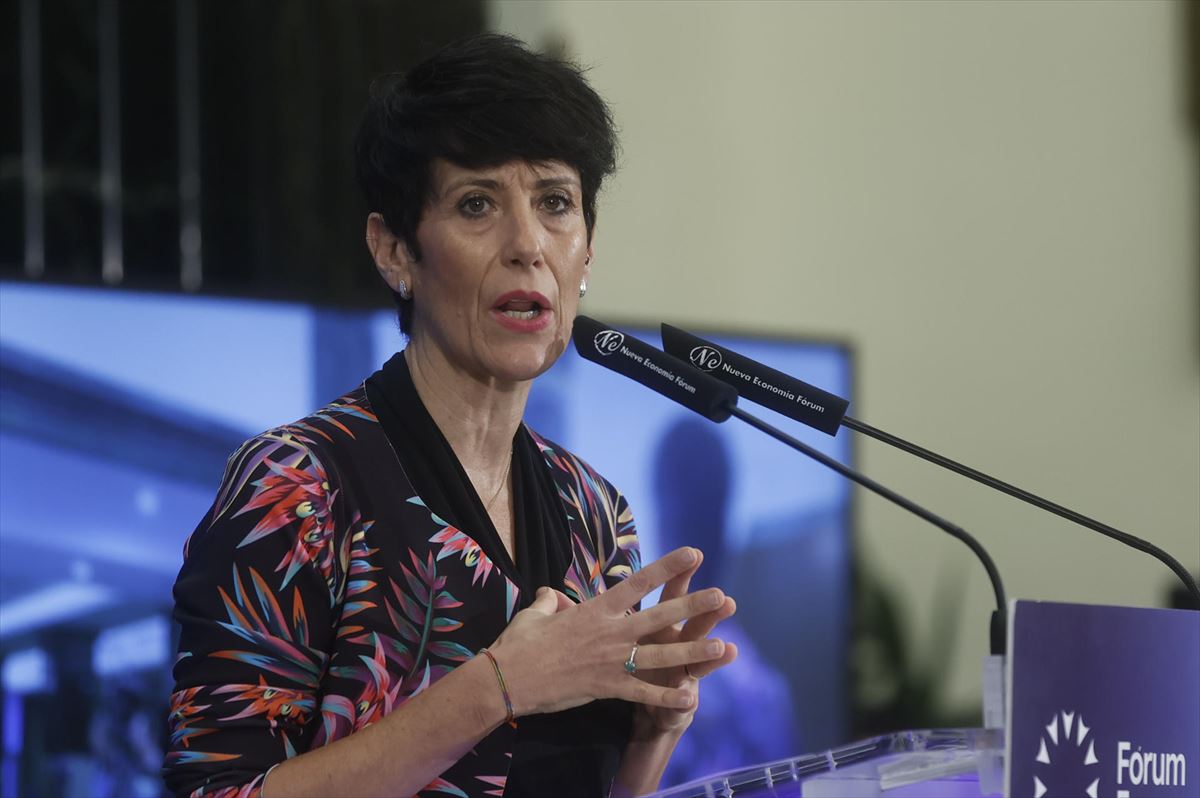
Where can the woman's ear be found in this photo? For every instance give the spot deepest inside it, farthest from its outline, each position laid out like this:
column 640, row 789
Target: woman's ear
column 391, row 255
column 591, row 249
column 587, row 261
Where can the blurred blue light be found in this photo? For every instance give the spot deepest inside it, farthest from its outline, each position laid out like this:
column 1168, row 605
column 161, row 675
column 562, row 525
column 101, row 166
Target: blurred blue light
column 144, row 643
column 81, row 570
column 185, row 351
column 51, row 604
column 14, row 736
column 147, row 502
column 27, row 671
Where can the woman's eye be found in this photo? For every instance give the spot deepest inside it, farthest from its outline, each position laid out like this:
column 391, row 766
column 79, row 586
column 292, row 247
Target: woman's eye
column 557, row 203
column 473, row 206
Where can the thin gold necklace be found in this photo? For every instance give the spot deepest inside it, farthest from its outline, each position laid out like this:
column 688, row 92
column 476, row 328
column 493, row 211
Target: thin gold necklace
column 504, row 481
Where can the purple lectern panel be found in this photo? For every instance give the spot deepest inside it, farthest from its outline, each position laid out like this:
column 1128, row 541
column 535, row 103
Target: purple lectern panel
column 1104, row 701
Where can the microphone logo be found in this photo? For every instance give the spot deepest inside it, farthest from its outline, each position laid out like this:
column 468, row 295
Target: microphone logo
column 705, row 358
column 608, row 341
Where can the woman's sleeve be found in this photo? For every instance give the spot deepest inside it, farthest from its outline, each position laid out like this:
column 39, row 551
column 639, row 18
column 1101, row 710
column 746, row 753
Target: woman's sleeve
column 625, row 555
column 256, row 603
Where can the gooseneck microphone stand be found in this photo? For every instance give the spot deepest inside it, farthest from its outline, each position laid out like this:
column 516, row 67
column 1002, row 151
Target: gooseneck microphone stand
column 998, row 628
column 1030, row 498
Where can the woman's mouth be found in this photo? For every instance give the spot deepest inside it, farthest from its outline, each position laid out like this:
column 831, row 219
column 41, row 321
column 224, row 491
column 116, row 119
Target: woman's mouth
column 523, row 311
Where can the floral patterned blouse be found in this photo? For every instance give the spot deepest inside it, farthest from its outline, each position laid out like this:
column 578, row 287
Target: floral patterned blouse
column 319, row 593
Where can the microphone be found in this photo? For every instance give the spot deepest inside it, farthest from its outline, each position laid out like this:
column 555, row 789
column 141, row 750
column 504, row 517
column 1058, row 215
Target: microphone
column 766, row 386
column 636, row 359
column 641, row 362
column 761, row 384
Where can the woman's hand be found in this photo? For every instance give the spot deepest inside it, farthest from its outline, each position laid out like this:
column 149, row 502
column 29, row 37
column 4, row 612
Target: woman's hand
column 654, row 720
column 556, row 654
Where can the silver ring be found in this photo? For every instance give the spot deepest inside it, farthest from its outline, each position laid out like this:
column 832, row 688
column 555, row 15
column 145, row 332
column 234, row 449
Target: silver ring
column 630, row 665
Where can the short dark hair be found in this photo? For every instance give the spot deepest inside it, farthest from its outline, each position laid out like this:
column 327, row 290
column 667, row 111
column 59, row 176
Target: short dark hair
column 481, row 101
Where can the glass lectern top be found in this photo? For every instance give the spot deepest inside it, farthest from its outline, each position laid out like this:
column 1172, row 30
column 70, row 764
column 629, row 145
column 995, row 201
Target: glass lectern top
column 962, row 762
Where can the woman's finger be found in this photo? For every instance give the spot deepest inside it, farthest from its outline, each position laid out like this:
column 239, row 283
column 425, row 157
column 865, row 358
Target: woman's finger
column 673, row 655
column 633, row 589
column 701, row 626
column 545, row 602
column 678, row 586
column 633, row 689
column 667, row 613
column 700, row 670
column 564, row 601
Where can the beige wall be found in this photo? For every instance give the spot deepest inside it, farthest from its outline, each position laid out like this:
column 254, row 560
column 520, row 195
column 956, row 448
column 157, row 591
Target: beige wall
column 995, row 202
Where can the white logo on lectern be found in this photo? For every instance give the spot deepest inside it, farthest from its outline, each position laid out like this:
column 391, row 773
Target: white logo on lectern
column 1061, row 750
column 608, row 341
column 1066, row 745
column 1148, row 768
column 705, row 358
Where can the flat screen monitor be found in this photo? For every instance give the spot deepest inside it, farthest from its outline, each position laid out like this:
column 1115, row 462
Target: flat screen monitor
column 119, row 409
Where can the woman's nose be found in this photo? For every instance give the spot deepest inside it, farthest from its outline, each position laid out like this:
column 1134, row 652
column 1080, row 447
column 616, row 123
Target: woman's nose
column 524, row 243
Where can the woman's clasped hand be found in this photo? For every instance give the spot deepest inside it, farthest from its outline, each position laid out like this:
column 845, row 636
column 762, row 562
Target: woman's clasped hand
column 557, row 654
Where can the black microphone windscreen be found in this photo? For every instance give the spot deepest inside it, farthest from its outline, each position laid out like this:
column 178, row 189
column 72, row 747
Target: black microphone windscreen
column 658, row 371
column 760, row 384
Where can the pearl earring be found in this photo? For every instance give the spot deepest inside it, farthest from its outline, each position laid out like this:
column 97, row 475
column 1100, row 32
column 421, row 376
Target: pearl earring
column 582, row 288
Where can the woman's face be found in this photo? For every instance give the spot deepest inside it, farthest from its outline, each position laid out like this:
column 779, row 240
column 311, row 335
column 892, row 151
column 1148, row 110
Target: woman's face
column 503, row 251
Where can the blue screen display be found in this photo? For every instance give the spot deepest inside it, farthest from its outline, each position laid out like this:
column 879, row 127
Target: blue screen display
column 119, row 409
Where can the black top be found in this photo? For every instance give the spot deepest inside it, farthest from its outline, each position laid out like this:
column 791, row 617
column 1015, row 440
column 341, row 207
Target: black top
column 320, row 592
column 571, row 753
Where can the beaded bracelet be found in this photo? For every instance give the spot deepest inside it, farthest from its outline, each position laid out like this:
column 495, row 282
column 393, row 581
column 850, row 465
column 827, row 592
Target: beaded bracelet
column 503, row 687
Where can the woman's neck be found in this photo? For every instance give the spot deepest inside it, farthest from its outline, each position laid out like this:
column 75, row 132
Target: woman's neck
column 478, row 418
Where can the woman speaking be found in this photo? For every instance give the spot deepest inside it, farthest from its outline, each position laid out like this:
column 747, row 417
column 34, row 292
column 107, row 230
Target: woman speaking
column 410, row 591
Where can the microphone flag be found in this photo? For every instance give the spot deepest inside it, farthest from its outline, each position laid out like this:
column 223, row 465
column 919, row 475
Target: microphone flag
column 761, row 384
column 658, row 371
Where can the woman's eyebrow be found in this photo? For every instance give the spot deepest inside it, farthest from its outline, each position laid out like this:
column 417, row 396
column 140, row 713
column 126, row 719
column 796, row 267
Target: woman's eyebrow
column 557, row 180
column 494, row 185
column 476, row 182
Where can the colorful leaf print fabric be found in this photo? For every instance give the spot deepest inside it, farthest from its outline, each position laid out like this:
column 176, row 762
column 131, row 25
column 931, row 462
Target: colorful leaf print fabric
column 319, row 594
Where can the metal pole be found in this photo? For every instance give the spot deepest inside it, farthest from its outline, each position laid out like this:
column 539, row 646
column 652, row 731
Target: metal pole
column 31, row 139
column 112, row 254
column 191, row 272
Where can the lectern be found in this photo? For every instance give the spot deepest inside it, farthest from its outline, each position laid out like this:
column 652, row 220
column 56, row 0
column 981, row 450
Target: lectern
column 1097, row 701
